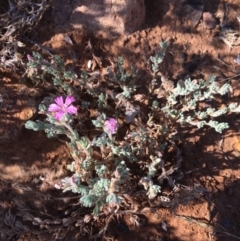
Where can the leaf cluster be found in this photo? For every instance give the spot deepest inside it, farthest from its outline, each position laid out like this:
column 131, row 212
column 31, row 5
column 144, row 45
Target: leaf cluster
column 134, row 156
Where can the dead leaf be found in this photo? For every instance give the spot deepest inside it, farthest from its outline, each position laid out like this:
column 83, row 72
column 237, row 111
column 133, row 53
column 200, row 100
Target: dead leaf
column 168, row 85
column 87, row 218
column 139, row 97
column 160, row 92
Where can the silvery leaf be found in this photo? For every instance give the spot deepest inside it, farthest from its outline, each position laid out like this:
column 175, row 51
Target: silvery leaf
column 234, row 108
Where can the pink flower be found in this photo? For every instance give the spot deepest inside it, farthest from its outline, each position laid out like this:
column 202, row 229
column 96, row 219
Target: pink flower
column 61, row 108
column 111, row 126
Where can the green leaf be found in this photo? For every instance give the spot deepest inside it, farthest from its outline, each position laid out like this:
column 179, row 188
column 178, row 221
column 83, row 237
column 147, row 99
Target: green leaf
column 213, row 88
column 101, row 187
column 201, row 114
column 101, row 170
column 87, row 163
column 97, row 123
column 219, row 112
column 211, row 79
column 69, row 75
column 191, row 85
column 152, row 167
column 200, row 124
column 163, row 45
column 36, row 126
column 234, row 108
column 122, row 172
column 153, row 191
column 224, row 89
column 100, row 141
column 88, row 200
column 83, row 190
column 219, row 127
column 98, row 206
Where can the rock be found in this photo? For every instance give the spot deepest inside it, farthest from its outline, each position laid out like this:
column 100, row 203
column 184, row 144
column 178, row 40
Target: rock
column 109, row 17
column 190, row 12
column 209, row 20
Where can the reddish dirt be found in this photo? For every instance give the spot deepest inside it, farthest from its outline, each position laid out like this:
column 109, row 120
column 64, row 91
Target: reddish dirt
column 29, row 160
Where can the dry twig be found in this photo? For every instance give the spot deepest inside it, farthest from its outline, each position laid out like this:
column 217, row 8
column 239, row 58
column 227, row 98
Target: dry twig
column 17, row 18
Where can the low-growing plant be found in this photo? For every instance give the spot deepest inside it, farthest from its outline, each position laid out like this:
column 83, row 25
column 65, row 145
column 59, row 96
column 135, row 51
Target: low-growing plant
column 124, row 146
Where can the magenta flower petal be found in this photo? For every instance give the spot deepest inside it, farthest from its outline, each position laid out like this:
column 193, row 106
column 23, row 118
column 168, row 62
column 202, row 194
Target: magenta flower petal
column 61, row 108
column 69, row 100
column 59, row 100
column 71, row 109
column 59, row 114
column 111, row 126
column 54, row 108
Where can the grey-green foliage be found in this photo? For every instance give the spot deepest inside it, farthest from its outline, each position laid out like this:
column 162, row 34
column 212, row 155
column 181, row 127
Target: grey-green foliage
column 102, row 190
column 152, row 189
column 156, row 60
column 126, row 81
column 233, row 107
column 50, row 130
column 159, row 57
column 102, row 100
column 103, row 181
column 99, row 122
column 183, row 103
column 38, row 68
column 97, row 183
column 101, row 140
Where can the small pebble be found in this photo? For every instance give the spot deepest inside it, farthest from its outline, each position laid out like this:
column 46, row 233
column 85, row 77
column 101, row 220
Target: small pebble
column 209, row 20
